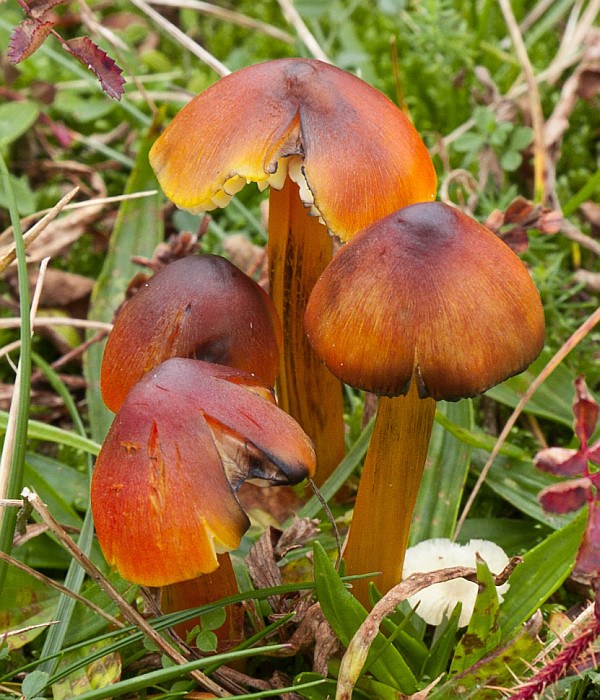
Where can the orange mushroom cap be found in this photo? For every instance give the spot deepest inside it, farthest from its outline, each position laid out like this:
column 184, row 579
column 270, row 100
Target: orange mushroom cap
column 187, row 435
column 429, row 294
column 353, row 152
column 201, row 307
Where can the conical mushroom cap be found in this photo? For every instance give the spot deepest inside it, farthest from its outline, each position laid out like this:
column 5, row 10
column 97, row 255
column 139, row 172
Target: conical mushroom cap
column 429, row 294
column 162, row 494
column 360, row 157
column 201, row 307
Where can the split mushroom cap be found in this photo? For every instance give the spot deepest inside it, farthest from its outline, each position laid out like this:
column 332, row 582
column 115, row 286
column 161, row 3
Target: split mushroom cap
column 429, row 294
column 201, row 307
column 186, row 437
column 344, row 143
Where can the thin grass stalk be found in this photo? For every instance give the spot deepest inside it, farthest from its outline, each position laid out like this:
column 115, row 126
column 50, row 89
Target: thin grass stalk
column 75, row 574
column 17, row 442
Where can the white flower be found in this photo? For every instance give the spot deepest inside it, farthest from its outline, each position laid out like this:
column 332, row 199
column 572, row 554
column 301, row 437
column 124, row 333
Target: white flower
column 441, row 598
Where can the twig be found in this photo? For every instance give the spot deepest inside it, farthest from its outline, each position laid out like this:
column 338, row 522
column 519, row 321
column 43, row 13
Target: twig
column 59, row 587
column 10, row 255
column 182, row 38
column 129, row 613
column 552, row 364
column 535, row 104
column 58, row 321
column 207, row 8
column 571, row 232
column 292, row 16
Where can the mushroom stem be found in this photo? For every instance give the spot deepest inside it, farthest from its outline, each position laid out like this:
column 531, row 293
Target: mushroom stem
column 388, row 490
column 208, row 588
column 299, row 249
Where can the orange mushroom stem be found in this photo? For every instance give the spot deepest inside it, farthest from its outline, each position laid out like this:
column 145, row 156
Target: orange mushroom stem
column 337, row 154
column 423, row 305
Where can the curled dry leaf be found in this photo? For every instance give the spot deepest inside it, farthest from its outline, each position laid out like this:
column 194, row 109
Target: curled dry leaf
column 27, row 37
column 521, row 215
column 99, row 62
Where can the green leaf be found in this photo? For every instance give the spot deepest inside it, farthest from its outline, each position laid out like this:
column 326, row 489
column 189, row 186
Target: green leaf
column 469, row 142
column 345, row 615
column 25, row 602
column 510, row 161
column 53, row 498
column 444, row 476
column 15, row 119
column 543, row 570
column 498, row 669
column 33, row 684
column 443, row 647
column 206, row 641
column 483, row 633
column 521, row 137
column 137, row 231
column 100, row 673
column 24, row 198
column 214, row 619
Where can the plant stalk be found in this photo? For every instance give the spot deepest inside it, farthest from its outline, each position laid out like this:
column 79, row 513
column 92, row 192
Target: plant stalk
column 299, row 249
column 388, row 491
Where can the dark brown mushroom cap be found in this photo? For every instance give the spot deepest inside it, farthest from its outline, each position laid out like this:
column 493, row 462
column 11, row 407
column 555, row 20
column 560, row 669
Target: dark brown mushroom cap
column 201, row 307
column 162, row 494
column 425, row 293
column 361, row 157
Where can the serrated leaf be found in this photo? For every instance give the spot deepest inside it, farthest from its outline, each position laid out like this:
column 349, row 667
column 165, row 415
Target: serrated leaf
column 37, row 8
column 99, row 62
column 100, row 673
column 15, row 119
column 27, row 37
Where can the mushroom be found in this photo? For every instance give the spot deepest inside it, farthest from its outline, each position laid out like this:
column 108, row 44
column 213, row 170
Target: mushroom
column 183, row 441
column 201, row 307
column 423, row 305
column 338, row 155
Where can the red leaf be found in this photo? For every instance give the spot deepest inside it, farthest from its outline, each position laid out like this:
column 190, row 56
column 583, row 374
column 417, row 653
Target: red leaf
column 593, row 454
column 37, row 8
column 560, row 461
column 99, row 62
column 27, row 37
column 585, row 410
column 566, row 497
column 588, row 556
